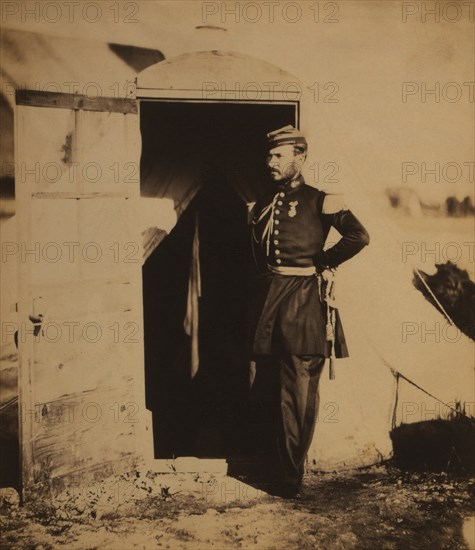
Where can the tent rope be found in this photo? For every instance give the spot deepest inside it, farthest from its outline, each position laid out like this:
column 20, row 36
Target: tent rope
column 399, row 375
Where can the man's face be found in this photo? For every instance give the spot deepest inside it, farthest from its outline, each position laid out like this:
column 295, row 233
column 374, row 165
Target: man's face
column 283, row 163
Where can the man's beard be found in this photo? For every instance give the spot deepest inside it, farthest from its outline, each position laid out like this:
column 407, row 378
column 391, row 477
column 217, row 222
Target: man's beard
column 285, row 177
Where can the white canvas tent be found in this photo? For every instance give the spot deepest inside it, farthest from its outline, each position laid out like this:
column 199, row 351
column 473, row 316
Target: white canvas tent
column 377, row 300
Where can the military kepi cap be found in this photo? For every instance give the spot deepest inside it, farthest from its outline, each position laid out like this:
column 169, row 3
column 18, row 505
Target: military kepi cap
column 288, row 135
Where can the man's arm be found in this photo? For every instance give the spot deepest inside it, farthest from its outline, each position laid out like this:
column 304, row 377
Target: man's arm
column 354, row 236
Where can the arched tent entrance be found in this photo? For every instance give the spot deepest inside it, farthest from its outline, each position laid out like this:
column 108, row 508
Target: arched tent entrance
column 203, row 120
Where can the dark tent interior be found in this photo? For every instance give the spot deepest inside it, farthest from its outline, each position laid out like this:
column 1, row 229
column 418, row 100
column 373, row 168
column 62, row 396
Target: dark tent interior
column 210, row 159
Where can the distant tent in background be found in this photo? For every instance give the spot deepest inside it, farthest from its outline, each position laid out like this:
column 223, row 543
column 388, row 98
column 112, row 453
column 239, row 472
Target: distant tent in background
column 451, row 200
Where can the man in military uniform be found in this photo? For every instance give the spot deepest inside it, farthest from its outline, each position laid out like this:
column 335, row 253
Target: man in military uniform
column 289, row 328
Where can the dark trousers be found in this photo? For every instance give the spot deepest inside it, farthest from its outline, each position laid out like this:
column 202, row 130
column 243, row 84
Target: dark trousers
column 287, row 389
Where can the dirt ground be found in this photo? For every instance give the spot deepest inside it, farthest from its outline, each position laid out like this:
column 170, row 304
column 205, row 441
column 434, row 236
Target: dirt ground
column 380, row 507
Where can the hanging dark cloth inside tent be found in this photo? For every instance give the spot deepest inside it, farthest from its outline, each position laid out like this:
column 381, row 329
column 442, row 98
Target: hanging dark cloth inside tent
column 195, row 310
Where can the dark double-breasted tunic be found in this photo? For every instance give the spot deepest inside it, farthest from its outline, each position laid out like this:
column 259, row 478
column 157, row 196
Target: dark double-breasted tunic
column 289, row 231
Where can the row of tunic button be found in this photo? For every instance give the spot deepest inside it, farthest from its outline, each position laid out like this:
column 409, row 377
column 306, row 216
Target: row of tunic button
column 276, row 231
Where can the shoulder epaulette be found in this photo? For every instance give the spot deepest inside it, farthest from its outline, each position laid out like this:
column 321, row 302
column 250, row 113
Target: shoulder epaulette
column 333, row 204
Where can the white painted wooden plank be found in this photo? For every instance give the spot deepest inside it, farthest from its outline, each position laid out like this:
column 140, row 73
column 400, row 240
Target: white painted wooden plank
column 108, row 148
column 44, row 150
